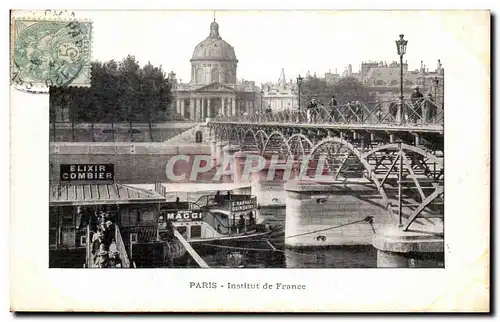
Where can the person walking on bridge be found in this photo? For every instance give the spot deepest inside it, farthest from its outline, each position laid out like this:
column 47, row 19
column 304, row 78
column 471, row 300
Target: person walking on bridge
column 333, row 109
column 311, row 107
column 430, row 109
column 417, row 99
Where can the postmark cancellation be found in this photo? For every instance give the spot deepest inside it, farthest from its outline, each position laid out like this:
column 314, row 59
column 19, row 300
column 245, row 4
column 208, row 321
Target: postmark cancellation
column 50, row 52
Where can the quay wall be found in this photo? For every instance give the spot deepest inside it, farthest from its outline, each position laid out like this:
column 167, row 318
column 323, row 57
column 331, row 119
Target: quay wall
column 135, row 163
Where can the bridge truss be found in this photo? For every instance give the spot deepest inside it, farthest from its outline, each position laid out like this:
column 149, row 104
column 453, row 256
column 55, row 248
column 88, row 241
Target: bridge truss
column 403, row 159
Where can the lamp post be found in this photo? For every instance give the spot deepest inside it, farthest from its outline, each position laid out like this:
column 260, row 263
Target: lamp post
column 401, row 45
column 299, row 84
column 436, row 84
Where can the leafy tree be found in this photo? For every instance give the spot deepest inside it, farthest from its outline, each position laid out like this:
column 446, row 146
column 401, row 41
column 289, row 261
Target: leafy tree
column 119, row 92
column 345, row 90
column 314, row 87
column 350, row 89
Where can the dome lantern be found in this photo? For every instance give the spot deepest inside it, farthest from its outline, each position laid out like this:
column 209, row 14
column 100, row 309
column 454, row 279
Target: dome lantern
column 214, row 30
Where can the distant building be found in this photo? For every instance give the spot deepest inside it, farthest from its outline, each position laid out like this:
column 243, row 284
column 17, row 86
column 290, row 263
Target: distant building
column 281, row 95
column 332, row 78
column 385, row 79
column 213, row 89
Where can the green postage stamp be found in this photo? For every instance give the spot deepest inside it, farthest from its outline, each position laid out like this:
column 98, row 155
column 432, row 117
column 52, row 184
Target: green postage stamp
column 48, row 53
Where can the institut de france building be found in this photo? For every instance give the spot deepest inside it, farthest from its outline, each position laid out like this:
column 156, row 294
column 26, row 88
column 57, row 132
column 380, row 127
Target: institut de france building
column 214, row 89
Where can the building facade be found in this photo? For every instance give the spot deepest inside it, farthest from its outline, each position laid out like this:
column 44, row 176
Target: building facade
column 385, row 79
column 280, row 96
column 213, row 89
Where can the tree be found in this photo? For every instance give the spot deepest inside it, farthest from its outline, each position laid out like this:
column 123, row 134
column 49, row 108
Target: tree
column 349, row 89
column 314, row 87
column 345, row 90
column 119, row 92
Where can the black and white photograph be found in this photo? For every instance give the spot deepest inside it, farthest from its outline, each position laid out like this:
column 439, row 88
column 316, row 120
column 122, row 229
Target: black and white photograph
column 242, row 139
column 339, row 166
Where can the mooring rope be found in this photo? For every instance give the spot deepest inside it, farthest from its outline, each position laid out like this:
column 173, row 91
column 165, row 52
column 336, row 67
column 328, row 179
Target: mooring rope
column 368, row 219
column 256, row 249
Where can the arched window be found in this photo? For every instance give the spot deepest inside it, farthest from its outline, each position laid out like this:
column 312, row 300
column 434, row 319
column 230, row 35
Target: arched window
column 394, row 82
column 380, row 82
column 214, row 77
column 198, row 137
column 199, row 76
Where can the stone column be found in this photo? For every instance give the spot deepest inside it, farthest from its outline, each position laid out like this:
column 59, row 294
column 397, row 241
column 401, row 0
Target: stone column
column 182, row 108
column 197, row 109
column 233, row 100
column 209, row 112
column 192, row 108
column 203, row 109
column 178, row 106
column 221, row 108
column 200, row 110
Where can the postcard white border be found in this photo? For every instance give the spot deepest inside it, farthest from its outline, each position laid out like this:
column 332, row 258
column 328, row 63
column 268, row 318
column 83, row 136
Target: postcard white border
column 460, row 287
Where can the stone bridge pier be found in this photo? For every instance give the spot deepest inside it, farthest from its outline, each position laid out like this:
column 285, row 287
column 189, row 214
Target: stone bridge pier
column 228, row 161
column 332, row 214
column 404, row 249
column 218, row 151
column 266, row 175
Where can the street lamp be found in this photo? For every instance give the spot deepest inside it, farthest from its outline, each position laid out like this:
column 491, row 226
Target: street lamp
column 401, row 45
column 436, row 82
column 299, row 84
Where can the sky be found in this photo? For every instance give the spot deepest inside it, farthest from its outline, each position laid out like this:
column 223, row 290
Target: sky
column 267, row 41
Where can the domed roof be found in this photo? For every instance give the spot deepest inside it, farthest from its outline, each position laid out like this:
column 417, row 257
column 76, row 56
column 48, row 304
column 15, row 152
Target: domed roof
column 213, row 47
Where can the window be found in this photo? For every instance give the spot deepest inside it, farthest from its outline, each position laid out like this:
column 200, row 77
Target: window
column 198, row 137
column 199, row 76
column 182, row 230
column 195, row 231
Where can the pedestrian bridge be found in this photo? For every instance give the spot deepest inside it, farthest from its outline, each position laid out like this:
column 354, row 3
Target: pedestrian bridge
column 397, row 145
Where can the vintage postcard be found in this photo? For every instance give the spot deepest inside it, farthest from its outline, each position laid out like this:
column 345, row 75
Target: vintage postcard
column 288, row 153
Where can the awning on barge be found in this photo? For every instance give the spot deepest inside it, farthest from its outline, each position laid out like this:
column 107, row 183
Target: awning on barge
column 100, row 194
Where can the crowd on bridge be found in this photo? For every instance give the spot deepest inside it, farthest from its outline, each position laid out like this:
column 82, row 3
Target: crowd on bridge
column 419, row 109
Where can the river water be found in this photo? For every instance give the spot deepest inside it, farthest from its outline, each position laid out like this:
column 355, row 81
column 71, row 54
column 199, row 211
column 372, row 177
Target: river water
column 271, row 253
column 261, row 254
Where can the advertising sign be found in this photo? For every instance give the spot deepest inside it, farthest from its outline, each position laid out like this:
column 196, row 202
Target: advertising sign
column 244, row 205
column 87, row 172
column 184, row 215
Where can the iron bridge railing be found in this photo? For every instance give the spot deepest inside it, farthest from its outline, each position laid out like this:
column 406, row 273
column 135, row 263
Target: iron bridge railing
column 423, row 111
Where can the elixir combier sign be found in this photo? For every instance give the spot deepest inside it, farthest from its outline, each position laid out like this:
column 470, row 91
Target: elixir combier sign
column 87, row 172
